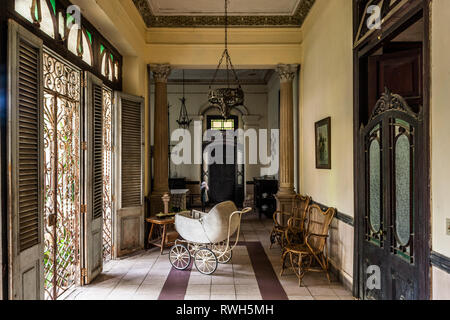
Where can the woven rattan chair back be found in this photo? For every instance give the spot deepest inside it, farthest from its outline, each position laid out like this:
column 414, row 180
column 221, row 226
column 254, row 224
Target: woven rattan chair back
column 318, row 224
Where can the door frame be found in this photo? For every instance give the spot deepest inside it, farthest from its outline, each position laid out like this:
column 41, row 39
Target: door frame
column 412, row 11
column 237, row 189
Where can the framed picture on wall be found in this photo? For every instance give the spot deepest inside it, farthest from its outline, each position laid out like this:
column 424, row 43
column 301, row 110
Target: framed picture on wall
column 323, row 144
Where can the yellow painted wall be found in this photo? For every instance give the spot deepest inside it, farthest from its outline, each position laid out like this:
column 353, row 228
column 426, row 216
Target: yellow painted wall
column 120, row 23
column 440, row 115
column 327, row 91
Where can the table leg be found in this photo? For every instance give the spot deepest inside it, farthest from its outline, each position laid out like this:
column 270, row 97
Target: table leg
column 163, row 240
column 150, row 234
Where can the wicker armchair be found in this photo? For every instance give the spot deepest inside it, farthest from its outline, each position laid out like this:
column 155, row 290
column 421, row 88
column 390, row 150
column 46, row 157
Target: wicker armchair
column 281, row 222
column 314, row 247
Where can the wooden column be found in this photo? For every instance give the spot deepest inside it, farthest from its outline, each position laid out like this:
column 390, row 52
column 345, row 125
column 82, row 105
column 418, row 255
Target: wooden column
column 161, row 133
column 286, row 192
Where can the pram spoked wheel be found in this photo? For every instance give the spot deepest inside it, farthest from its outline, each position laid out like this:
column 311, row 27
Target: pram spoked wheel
column 179, row 257
column 223, row 257
column 205, row 261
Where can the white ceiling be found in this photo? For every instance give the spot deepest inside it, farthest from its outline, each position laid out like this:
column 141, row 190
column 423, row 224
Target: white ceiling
column 216, row 7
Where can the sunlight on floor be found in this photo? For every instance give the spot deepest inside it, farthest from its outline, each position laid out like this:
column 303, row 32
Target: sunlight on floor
column 143, row 276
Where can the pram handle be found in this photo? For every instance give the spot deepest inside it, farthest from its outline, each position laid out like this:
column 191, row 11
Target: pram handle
column 240, row 213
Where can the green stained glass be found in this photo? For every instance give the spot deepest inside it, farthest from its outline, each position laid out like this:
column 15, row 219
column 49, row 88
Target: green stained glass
column 89, row 36
column 53, row 2
column 112, row 57
column 36, row 13
column 102, row 48
column 69, row 19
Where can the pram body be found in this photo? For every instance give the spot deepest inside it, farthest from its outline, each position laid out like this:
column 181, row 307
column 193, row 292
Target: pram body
column 206, row 237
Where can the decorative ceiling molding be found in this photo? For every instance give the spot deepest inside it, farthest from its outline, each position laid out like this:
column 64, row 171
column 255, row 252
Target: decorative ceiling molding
column 295, row 20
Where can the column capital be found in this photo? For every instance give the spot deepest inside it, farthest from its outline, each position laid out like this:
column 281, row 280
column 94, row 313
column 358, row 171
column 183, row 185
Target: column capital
column 287, row 71
column 161, row 71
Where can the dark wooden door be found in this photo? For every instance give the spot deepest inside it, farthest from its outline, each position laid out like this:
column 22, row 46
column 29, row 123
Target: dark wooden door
column 222, row 179
column 400, row 70
column 394, row 249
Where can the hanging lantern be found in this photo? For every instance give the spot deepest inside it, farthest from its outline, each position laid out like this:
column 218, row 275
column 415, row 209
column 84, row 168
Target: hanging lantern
column 226, row 99
column 183, row 120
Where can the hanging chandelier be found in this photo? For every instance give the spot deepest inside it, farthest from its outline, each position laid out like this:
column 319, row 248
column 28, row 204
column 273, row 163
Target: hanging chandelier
column 183, row 120
column 226, row 99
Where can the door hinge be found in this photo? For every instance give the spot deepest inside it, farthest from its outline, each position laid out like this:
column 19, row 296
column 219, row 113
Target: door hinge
column 83, row 276
column 84, row 145
column 83, row 209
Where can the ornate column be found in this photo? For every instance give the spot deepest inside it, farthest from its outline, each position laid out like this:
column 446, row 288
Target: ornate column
column 161, row 131
column 286, row 192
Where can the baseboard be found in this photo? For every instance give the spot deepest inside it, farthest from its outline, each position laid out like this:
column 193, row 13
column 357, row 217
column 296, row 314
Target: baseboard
column 341, row 276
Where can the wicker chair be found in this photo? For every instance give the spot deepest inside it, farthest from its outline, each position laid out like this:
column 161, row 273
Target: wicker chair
column 314, row 247
column 281, row 221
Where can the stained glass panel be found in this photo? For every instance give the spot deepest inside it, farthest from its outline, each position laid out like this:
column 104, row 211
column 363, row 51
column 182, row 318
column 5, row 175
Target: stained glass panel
column 40, row 13
column 222, row 124
column 79, row 44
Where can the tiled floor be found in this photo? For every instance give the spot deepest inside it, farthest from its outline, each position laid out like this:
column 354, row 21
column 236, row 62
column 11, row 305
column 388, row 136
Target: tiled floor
column 144, row 276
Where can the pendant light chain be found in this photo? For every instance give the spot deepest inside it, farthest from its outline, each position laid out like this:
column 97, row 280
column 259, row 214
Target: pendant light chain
column 226, row 99
column 183, row 120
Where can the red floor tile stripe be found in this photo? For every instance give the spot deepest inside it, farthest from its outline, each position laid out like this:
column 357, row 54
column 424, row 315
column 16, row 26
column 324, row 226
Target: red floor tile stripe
column 269, row 285
column 176, row 284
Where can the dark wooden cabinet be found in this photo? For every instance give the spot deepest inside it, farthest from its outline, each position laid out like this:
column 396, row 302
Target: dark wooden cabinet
column 264, row 196
column 177, row 183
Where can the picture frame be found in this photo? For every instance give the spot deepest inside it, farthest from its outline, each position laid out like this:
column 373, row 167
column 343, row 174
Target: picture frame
column 323, row 143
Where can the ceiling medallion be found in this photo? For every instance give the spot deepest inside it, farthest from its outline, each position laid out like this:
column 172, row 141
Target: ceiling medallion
column 226, row 99
column 183, row 120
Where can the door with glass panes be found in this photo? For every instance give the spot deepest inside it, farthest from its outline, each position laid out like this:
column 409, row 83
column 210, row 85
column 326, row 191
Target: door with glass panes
column 393, row 260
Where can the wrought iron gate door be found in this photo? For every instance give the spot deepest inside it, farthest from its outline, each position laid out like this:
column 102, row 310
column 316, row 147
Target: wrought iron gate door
column 62, row 175
column 107, row 174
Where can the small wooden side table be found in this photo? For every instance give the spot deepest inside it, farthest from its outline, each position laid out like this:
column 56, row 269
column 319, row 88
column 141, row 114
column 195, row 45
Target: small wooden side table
column 159, row 228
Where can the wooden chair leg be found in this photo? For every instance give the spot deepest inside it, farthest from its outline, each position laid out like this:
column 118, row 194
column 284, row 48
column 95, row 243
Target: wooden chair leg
column 272, row 239
column 300, row 271
column 283, row 263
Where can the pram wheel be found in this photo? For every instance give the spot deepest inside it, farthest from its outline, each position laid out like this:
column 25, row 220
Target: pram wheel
column 223, row 257
column 179, row 257
column 226, row 257
column 205, row 261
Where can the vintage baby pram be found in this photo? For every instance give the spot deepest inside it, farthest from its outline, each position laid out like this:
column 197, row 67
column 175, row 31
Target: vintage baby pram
column 206, row 237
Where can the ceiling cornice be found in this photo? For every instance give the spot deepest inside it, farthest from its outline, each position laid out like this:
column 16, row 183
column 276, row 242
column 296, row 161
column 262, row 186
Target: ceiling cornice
column 295, row 20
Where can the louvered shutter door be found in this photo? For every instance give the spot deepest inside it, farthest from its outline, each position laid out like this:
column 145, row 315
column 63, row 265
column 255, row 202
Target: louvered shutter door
column 129, row 167
column 98, row 152
column 92, row 226
column 132, row 150
column 29, row 145
column 25, row 154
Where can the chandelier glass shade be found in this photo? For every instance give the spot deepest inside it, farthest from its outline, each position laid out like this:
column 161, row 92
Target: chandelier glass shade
column 226, row 99
column 183, row 120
